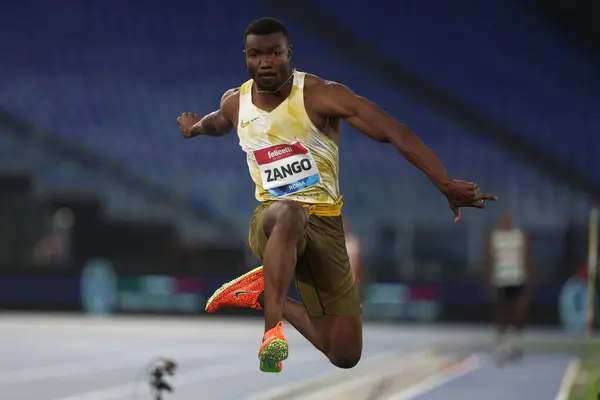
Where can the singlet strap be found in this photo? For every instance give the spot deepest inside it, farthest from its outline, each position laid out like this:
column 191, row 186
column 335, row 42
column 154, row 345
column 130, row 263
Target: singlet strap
column 246, row 95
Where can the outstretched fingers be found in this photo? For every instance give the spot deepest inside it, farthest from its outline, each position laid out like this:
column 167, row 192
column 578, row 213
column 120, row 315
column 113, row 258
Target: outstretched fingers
column 479, row 201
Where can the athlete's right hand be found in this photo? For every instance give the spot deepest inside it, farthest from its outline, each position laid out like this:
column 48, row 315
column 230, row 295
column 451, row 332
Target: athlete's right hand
column 186, row 122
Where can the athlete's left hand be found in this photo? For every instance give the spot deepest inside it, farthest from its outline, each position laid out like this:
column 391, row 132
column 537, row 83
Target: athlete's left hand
column 465, row 194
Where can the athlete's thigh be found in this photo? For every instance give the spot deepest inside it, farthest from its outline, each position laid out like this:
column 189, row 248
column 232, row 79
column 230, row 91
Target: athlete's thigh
column 323, row 275
column 257, row 237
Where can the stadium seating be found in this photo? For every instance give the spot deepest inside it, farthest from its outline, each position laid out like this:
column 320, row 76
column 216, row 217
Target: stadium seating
column 502, row 58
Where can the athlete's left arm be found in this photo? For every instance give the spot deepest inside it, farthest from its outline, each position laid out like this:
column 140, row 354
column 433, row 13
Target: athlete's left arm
column 337, row 100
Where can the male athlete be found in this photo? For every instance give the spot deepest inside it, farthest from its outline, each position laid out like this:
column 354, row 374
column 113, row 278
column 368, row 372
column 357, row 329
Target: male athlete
column 288, row 124
column 509, row 275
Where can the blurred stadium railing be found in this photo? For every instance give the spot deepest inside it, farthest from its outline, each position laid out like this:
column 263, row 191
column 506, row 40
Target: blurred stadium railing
column 96, row 181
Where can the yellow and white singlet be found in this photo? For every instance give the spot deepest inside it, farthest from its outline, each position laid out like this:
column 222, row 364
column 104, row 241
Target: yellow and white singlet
column 288, row 157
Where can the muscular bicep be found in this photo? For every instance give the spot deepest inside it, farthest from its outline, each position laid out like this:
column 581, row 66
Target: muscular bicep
column 336, row 100
column 358, row 112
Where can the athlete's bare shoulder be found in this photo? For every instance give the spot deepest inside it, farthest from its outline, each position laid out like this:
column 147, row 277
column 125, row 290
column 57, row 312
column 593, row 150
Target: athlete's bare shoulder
column 317, row 85
column 231, row 95
column 230, row 103
column 326, row 97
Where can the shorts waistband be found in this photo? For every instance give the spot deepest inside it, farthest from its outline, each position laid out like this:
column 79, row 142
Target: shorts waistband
column 319, row 209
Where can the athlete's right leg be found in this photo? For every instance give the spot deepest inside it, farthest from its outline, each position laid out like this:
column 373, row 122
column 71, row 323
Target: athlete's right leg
column 276, row 234
column 284, row 224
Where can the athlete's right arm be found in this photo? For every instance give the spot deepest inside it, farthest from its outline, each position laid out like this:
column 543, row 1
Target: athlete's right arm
column 217, row 123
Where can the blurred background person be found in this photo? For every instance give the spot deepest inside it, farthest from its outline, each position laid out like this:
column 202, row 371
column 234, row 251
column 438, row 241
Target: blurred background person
column 509, row 279
column 355, row 255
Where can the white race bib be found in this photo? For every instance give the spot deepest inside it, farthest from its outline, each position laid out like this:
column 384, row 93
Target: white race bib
column 286, row 168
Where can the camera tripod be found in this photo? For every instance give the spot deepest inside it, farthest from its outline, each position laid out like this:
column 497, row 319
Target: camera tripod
column 157, row 374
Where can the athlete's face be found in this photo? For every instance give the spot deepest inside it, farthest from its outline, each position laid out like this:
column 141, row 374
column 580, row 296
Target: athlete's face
column 268, row 60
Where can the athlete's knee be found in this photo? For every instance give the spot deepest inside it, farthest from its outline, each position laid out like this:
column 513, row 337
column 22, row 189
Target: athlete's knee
column 342, row 340
column 346, row 359
column 288, row 218
column 345, row 353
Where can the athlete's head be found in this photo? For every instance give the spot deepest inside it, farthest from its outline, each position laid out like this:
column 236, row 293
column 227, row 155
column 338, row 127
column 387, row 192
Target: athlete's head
column 268, row 53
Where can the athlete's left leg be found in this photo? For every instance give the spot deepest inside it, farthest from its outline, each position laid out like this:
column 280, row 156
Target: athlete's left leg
column 330, row 295
column 338, row 337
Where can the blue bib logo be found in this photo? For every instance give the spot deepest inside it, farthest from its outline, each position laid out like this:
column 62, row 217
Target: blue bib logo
column 99, row 290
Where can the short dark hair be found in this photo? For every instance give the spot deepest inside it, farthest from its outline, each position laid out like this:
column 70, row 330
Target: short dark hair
column 266, row 26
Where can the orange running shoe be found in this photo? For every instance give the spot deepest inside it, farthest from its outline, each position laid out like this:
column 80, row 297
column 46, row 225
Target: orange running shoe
column 274, row 350
column 241, row 292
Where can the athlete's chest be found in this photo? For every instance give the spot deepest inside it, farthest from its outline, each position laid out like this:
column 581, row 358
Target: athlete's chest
column 282, row 125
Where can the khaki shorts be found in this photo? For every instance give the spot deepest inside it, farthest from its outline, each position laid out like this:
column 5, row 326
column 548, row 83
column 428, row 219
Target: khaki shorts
column 323, row 276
